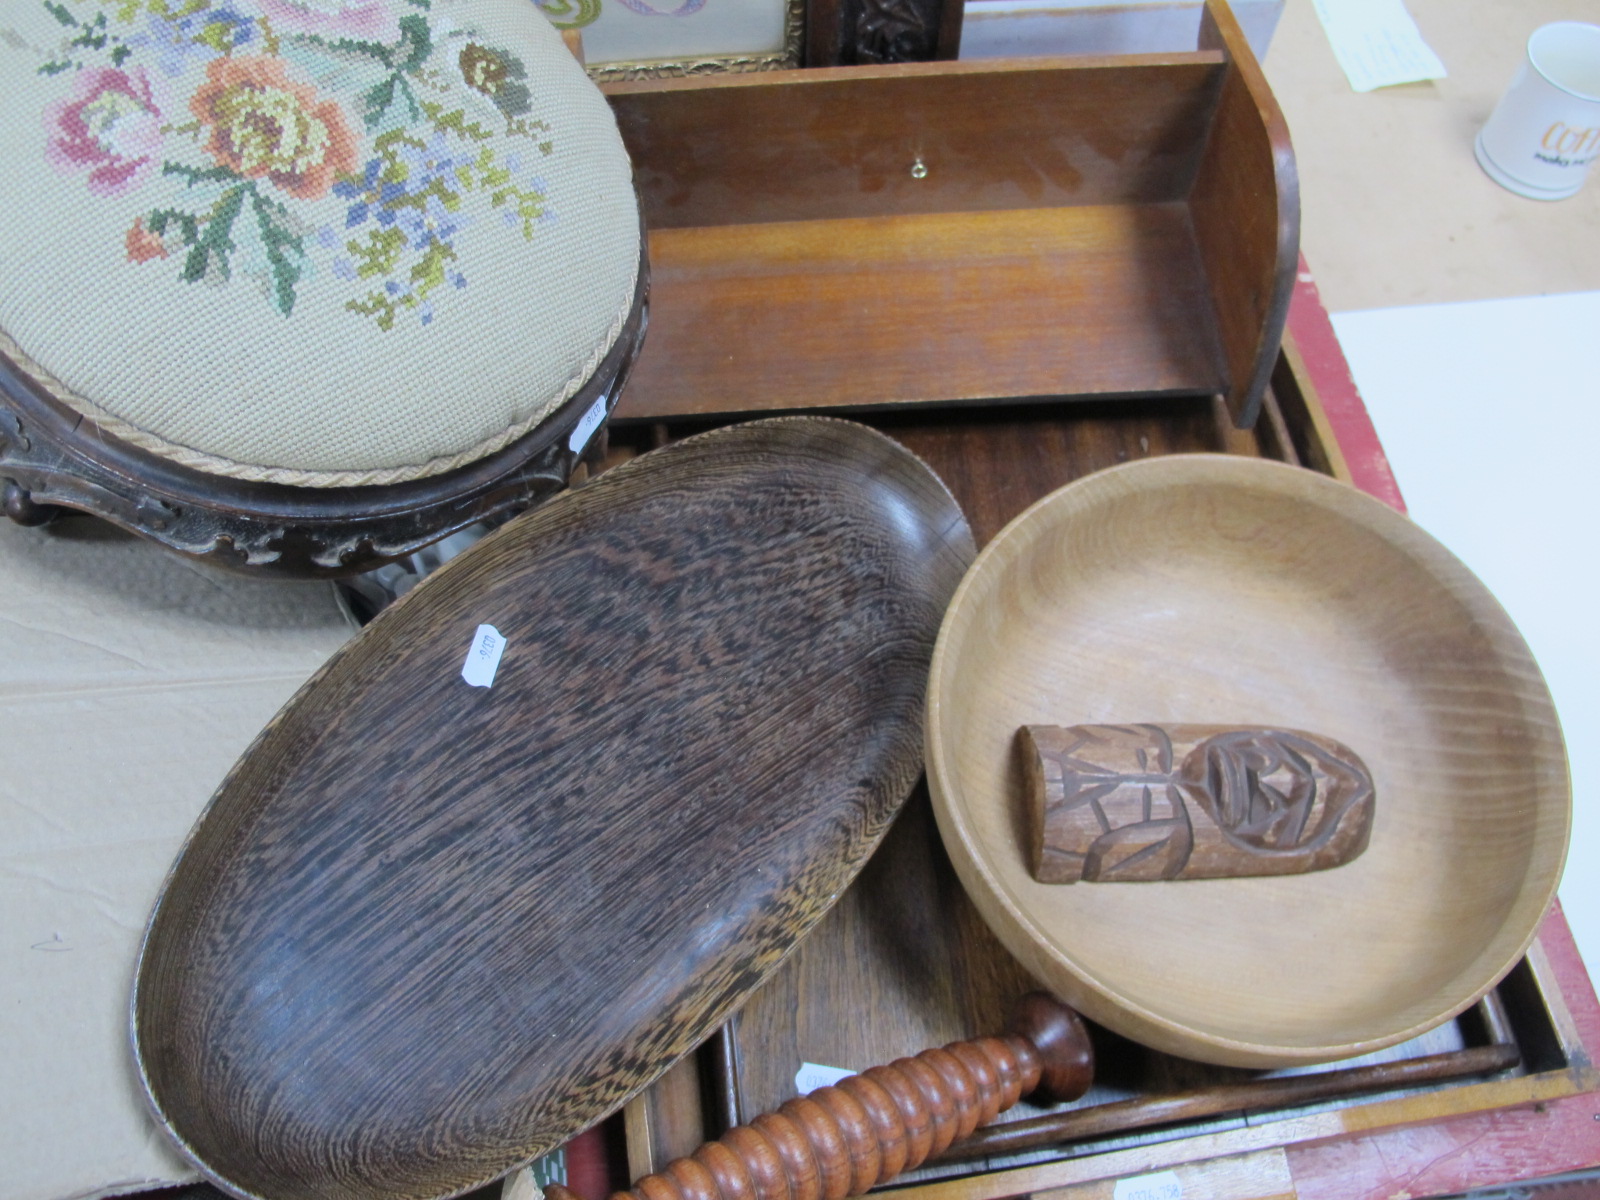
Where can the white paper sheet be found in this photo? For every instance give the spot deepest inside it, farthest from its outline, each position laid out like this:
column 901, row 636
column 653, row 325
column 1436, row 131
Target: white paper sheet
column 1489, row 413
column 1377, row 43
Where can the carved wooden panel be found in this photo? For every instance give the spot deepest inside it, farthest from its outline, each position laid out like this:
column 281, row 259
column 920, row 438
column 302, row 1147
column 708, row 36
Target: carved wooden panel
column 851, row 32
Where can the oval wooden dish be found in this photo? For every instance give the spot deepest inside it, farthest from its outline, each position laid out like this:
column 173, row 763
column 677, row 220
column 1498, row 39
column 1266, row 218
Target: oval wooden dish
column 1213, row 589
column 427, row 931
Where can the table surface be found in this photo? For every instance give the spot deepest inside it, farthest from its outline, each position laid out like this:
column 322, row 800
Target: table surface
column 1394, row 208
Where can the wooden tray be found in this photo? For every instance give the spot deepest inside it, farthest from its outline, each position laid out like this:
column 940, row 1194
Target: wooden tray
column 904, row 961
column 1094, row 267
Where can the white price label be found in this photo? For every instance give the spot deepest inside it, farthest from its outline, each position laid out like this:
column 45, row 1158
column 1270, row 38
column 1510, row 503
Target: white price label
column 483, row 656
column 812, row 1076
column 584, row 429
column 1160, row 1185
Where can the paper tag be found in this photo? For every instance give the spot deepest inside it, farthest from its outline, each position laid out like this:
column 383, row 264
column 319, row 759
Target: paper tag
column 1377, row 43
column 1159, row 1185
column 483, row 656
column 584, row 429
column 812, row 1076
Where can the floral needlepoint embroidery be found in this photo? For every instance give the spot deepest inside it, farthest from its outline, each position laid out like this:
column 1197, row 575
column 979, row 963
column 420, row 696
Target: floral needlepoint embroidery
column 264, row 136
column 498, row 75
column 262, row 125
column 111, row 126
column 142, row 244
column 369, row 20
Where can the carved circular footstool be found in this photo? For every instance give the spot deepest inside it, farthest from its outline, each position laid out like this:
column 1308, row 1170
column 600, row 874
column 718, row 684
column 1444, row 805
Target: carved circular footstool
column 300, row 286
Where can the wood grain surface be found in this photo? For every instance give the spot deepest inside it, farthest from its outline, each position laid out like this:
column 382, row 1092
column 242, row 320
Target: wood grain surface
column 998, row 135
column 926, row 309
column 1218, row 589
column 426, row 931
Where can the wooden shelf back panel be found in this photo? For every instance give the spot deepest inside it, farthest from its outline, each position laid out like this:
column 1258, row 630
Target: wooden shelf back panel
column 1105, row 300
column 842, row 142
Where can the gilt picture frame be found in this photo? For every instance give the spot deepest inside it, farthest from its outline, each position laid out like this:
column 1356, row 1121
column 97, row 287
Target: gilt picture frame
column 639, row 39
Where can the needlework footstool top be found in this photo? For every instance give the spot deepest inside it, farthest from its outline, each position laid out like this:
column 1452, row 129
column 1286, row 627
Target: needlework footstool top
column 324, row 243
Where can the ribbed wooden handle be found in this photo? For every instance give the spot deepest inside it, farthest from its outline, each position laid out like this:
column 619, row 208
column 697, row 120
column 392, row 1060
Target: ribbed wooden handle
column 842, row 1140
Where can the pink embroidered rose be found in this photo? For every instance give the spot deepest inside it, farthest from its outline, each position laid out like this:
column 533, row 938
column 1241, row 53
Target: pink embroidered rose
column 370, row 20
column 264, row 125
column 110, row 125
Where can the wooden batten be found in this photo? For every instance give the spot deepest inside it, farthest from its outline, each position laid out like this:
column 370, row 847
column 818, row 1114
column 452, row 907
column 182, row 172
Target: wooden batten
column 932, row 233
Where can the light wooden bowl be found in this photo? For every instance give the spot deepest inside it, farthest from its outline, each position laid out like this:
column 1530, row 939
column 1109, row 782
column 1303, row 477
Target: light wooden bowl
column 1215, row 589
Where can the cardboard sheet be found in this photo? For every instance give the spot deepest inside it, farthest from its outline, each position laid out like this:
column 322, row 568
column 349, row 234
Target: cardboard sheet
column 130, row 681
column 1489, row 413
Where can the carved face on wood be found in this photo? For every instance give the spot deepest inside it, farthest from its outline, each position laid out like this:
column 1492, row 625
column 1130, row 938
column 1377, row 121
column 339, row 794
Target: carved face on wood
column 1145, row 802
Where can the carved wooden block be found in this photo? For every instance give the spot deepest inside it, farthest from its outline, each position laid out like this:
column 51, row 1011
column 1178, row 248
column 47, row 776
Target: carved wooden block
column 1142, row 802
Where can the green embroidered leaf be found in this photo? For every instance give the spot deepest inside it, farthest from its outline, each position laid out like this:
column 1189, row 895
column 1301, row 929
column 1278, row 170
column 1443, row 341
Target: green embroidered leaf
column 127, row 11
column 429, row 272
column 379, row 253
column 218, row 35
column 413, row 108
column 375, row 101
column 194, row 266
column 60, row 13
column 531, row 128
column 376, row 304
column 194, row 176
column 513, row 99
column 93, row 36
column 348, row 46
column 284, row 249
column 161, row 220
column 455, row 121
column 489, row 175
column 120, row 55
column 413, row 34
column 408, row 54
column 380, row 97
column 55, row 68
column 215, row 244
column 528, row 204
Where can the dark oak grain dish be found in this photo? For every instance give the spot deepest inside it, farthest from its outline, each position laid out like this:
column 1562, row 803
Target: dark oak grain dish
column 426, row 931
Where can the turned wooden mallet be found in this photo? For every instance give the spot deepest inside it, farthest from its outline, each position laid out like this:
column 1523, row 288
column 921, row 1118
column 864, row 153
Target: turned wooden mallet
column 841, row 1140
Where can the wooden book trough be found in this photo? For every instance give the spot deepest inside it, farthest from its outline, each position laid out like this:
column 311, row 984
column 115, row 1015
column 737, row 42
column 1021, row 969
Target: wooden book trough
column 930, row 233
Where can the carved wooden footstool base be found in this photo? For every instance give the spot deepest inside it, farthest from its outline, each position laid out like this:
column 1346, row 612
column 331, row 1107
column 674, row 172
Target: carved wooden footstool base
column 301, row 287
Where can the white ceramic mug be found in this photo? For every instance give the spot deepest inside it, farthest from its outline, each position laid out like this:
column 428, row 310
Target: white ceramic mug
column 1545, row 131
